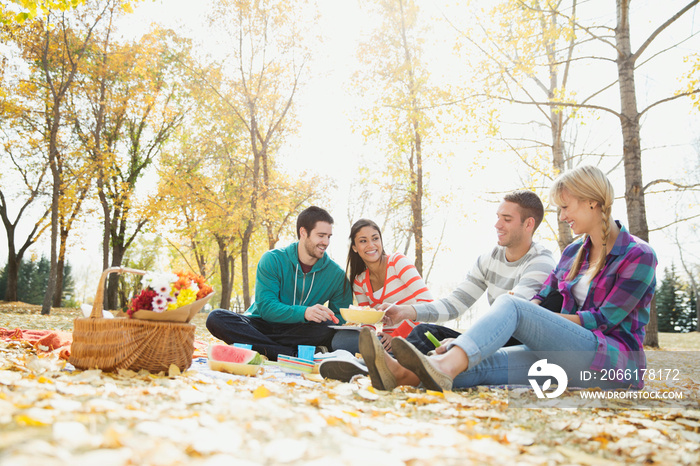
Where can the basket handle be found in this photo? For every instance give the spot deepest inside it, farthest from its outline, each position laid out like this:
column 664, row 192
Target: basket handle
column 99, row 296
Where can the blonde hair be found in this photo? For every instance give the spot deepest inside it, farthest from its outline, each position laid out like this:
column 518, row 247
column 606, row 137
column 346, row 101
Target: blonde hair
column 588, row 184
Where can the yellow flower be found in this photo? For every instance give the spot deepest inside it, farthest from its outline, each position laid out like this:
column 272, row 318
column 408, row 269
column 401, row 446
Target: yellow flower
column 185, row 297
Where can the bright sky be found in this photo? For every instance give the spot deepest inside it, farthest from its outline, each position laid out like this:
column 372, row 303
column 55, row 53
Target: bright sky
column 326, row 143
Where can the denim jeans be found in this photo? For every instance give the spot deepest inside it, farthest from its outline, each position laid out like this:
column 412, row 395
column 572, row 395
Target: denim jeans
column 347, row 340
column 418, row 339
column 544, row 334
column 267, row 338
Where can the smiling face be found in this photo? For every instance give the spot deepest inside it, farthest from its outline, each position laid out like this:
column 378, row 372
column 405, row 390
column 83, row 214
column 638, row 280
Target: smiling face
column 313, row 244
column 368, row 245
column 579, row 214
column 512, row 230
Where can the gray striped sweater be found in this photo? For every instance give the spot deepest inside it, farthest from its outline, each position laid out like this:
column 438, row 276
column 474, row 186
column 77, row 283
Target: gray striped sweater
column 492, row 274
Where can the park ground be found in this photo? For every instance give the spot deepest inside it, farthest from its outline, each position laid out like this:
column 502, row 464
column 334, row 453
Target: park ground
column 52, row 416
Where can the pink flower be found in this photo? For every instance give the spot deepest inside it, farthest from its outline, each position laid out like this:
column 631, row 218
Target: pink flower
column 159, row 303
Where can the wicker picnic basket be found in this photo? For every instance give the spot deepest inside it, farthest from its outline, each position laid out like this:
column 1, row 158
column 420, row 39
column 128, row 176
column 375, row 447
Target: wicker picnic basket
column 123, row 343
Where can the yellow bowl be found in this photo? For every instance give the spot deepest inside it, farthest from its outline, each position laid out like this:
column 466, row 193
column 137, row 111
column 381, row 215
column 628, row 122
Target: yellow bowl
column 362, row 316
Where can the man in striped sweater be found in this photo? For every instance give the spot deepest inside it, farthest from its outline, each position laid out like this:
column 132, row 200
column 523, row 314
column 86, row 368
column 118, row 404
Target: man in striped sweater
column 517, row 265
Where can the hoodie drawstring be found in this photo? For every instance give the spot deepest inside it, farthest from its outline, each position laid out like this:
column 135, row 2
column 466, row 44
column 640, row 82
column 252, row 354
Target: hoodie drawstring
column 294, row 299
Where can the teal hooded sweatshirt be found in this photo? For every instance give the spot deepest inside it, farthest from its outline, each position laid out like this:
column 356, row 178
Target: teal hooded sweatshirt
column 283, row 291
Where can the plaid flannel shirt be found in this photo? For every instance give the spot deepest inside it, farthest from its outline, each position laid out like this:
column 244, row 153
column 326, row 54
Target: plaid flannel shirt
column 616, row 308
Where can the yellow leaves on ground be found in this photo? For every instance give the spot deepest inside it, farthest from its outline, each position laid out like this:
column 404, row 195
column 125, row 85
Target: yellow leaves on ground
column 25, row 420
column 174, row 371
column 91, row 417
column 261, row 392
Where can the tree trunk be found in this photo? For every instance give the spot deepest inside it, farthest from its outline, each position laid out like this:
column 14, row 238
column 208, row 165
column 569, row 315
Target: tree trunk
column 417, row 201
column 564, row 236
column 60, row 269
column 631, row 146
column 200, row 258
column 112, row 293
column 53, row 123
column 272, row 238
column 12, row 266
column 232, row 268
column 58, row 292
column 14, row 255
column 225, row 272
column 415, row 165
column 258, row 159
column 12, row 272
column 245, row 277
column 556, row 115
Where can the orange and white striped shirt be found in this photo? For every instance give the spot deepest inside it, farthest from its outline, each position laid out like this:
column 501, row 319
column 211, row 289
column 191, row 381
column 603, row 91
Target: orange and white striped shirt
column 402, row 285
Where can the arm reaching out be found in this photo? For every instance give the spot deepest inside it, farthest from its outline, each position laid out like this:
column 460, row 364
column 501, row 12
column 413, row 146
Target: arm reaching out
column 397, row 314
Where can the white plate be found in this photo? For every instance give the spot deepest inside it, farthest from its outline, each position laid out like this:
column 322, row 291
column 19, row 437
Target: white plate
column 352, row 327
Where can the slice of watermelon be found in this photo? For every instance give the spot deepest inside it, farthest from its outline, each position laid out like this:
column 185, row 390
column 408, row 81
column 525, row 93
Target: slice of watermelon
column 226, row 353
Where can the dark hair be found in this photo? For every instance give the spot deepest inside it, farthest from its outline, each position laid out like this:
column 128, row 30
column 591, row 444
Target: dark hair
column 309, row 217
column 529, row 203
column 355, row 264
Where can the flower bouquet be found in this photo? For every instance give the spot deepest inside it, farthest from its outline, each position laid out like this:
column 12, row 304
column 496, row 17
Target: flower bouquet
column 170, row 297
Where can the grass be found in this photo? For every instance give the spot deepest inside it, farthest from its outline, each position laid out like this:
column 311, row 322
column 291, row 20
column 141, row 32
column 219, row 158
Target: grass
column 680, row 341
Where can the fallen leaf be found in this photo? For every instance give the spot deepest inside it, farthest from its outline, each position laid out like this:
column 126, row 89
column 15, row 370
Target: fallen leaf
column 261, row 392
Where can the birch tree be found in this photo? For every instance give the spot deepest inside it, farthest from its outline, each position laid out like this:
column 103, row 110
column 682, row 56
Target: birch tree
column 59, row 51
column 267, row 59
column 403, row 116
column 605, row 39
column 521, row 53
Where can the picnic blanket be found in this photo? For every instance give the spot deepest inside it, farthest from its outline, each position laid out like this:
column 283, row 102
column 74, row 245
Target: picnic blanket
column 47, row 341
column 42, row 340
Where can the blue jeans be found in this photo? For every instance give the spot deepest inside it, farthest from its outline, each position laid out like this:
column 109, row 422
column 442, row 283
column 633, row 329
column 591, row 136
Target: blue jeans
column 268, row 338
column 544, row 334
column 347, row 340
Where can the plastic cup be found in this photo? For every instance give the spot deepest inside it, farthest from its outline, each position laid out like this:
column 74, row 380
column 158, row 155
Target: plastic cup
column 306, row 352
column 243, row 345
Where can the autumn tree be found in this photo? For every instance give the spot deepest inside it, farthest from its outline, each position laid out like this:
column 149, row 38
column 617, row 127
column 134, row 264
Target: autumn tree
column 266, row 60
column 23, row 179
column 206, row 184
column 19, row 11
column 521, row 53
column 128, row 105
column 613, row 81
column 55, row 44
column 204, row 187
column 404, row 114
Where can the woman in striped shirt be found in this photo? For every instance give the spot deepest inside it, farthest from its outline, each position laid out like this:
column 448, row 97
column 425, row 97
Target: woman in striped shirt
column 607, row 280
column 378, row 277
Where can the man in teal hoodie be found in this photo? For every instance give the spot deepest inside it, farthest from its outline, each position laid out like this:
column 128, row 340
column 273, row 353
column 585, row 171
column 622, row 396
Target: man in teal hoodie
column 292, row 287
